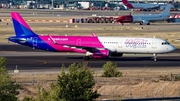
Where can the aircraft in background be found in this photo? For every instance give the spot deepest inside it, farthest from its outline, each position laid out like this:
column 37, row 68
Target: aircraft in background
column 145, row 18
column 92, row 46
column 143, row 5
column 139, row 5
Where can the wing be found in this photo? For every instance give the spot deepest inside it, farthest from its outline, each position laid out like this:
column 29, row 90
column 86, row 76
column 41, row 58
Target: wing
column 87, row 48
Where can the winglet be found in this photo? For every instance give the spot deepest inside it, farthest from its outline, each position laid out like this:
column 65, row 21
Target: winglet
column 93, row 34
column 52, row 39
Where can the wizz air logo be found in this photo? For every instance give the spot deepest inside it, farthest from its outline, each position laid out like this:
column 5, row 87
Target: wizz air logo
column 136, row 43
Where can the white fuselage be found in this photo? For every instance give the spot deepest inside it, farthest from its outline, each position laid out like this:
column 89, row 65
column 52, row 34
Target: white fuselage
column 149, row 17
column 144, row 6
column 136, row 45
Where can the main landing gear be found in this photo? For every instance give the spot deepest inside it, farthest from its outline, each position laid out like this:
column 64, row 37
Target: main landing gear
column 155, row 57
column 86, row 58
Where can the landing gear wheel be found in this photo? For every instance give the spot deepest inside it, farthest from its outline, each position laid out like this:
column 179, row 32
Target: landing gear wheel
column 86, row 58
column 148, row 23
column 155, row 57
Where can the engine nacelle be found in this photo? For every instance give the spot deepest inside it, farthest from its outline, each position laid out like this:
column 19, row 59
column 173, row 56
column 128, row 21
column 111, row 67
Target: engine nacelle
column 100, row 54
column 115, row 54
column 144, row 22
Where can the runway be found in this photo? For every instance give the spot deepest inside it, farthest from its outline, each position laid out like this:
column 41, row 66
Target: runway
column 28, row 59
column 55, row 62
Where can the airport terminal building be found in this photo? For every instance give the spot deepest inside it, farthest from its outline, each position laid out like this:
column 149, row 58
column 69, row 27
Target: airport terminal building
column 75, row 4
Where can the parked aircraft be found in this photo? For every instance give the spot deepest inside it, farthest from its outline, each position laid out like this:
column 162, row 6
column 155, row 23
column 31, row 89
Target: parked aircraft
column 139, row 5
column 145, row 18
column 93, row 46
column 143, row 5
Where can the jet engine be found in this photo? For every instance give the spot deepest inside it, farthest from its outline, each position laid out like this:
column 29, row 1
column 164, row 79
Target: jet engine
column 115, row 54
column 100, row 54
column 144, row 22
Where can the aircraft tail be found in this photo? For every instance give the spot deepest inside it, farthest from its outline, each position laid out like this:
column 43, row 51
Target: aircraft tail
column 21, row 28
column 127, row 3
column 166, row 11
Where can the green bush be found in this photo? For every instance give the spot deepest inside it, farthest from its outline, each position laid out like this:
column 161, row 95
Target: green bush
column 51, row 95
column 110, row 70
column 8, row 88
column 177, row 78
column 74, row 85
column 28, row 99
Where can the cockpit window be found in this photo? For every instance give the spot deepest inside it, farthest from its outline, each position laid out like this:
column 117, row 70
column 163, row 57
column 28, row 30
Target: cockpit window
column 165, row 43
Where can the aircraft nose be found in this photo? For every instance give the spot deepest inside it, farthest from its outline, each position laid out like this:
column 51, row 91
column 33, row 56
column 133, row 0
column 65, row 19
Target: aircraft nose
column 172, row 48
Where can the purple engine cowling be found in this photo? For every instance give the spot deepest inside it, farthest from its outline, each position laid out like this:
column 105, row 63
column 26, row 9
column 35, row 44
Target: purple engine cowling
column 100, row 54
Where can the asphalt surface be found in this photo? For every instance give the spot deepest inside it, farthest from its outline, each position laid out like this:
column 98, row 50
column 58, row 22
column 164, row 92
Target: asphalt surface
column 64, row 13
column 55, row 62
column 28, row 59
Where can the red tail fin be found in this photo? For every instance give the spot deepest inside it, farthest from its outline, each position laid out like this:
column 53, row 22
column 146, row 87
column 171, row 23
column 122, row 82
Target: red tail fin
column 126, row 3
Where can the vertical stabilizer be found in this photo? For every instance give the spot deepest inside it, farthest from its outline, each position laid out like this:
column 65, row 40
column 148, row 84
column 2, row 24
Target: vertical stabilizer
column 127, row 3
column 166, row 11
column 21, row 28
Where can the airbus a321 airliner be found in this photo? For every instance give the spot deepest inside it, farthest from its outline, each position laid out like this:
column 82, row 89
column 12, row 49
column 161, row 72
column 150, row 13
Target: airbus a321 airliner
column 93, row 46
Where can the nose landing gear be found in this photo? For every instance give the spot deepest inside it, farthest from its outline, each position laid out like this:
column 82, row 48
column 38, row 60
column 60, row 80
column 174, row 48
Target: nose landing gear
column 155, row 57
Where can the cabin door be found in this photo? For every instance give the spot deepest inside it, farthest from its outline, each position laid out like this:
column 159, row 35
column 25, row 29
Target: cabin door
column 153, row 44
column 120, row 44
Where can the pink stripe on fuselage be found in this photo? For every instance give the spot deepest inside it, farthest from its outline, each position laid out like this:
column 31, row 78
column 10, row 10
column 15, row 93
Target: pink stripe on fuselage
column 88, row 41
column 16, row 16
